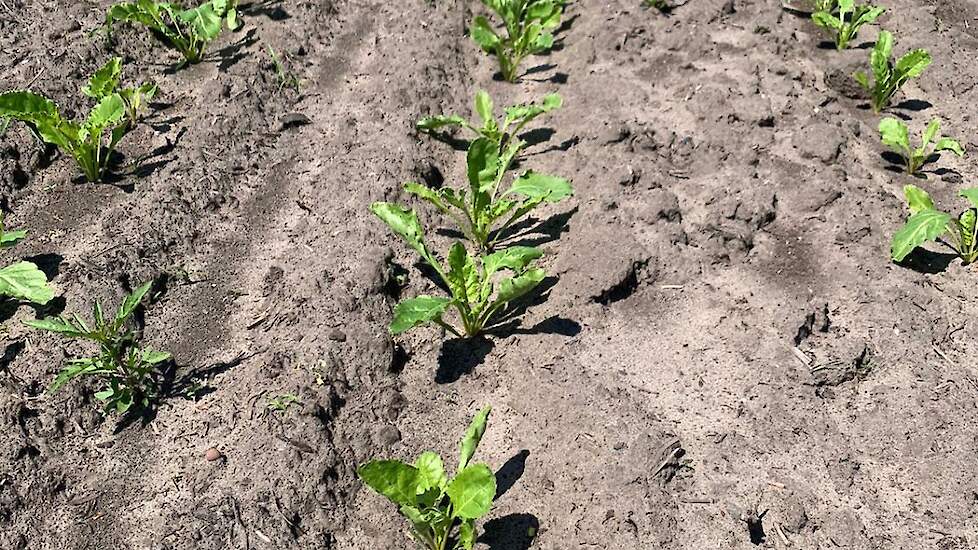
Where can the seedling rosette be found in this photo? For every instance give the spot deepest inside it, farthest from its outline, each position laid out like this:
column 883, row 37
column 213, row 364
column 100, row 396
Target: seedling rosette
column 130, row 372
column 888, row 77
column 189, row 31
column 527, row 26
column 845, row 19
column 442, row 511
column 896, row 136
column 927, row 223
column 502, row 132
column 477, row 295
column 106, row 81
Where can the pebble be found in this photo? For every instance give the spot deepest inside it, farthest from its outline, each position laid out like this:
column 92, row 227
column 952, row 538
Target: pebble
column 212, row 454
column 337, row 335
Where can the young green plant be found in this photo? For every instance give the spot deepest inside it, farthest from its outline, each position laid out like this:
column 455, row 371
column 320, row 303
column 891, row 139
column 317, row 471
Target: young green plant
column 22, row 280
column 484, row 212
column 888, row 77
column 503, row 132
column 84, row 141
column 527, row 31
column 927, row 223
column 189, row 31
column 847, row 20
column 477, row 291
column 130, row 372
column 896, row 136
column 442, row 511
column 106, row 81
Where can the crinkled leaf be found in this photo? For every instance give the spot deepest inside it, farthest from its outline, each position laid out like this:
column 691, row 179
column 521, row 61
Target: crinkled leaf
column 431, row 472
column 484, row 35
column 462, row 274
column 516, row 258
column 917, row 199
column 515, row 287
column 471, row 491
column 466, row 534
column 895, row 135
column 526, row 113
column 418, row 311
column 393, row 479
column 404, row 222
column 437, row 122
column 484, row 107
column 542, row 186
column 967, row 225
column 948, row 144
column 826, row 20
column 925, row 225
column 24, row 281
column 109, row 111
column 426, row 193
column 473, row 435
column 105, row 80
column 879, row 59
column 912, row 64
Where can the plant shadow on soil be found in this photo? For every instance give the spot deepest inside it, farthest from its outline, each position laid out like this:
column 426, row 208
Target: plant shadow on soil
column 510, row 472
column 926, row 261
column 461, row 356
column 269, row 8
column 510, row 532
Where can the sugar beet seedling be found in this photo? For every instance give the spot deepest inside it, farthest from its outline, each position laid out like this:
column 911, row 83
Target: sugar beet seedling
column 189, row 31
column 84, row 140
column 896, row 136
column 131, row 373
column 476, row 294
column 889, row 77
column 106, row 81
column 442, row 511
column 845, row 19
column 528, row 25
column 927, row 223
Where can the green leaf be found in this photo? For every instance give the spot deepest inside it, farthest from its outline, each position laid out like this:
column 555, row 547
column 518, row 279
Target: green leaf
column 917, row 199
column 473, row 435
column 967, row 225
column 404, row 222
column 437, row 122
column 930, row 133
column 484, row 107
column 24, row 281
column 516, row 258
column 526, row 113
column 393, row 479
column 483, row 165
column 484, row 35
column 27, row 106
column 59, row 325
column 431, row 472
column 105, row 80
column 70, row 372
column 472, row 491
column 462, row 274
column 153, row 357
column 912, row 64
column 11, row 238
column 131, row 302
column 826, row 20
column 426, row 193
column 879, row 59
column 466, row 534
column 511, row 289
column 204, row 21
column 541, row 186
column 948, row 144
column 923, row 226
column 971, row 194
column 418, row 311
column 862, row 80
column 895, row 135
column 109, row 111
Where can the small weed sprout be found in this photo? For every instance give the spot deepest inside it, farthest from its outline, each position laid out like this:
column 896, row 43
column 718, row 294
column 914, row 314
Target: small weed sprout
column 927, row 223
column 888, row 77
column 22, row 280
column 896, row 136
column 189, row 31
column 847, row 21
column 131, row 373
column 280, row 403
column 442, row 511
column 527, row 31
column 285, row 78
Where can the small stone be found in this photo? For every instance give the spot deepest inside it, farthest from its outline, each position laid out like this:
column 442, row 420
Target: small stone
column 336, row 335
column 293, row 120
column 212, row 454
column 387, row 435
